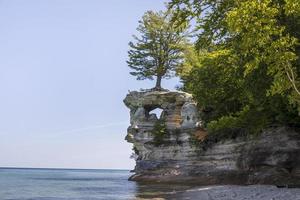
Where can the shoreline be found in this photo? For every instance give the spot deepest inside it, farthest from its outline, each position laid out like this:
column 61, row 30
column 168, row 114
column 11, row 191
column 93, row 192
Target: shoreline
column 232, row 192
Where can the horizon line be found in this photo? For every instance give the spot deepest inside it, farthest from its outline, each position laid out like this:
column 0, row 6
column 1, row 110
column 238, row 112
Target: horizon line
column 62, row 168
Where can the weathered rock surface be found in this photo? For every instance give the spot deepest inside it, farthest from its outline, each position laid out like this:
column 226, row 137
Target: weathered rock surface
column 271, row 158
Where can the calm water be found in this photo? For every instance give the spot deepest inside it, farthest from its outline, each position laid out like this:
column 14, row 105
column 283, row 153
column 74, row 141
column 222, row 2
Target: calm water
column 53, row 184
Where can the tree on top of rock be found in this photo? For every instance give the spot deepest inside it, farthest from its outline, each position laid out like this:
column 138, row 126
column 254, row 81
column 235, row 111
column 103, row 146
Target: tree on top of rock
column 159, row 49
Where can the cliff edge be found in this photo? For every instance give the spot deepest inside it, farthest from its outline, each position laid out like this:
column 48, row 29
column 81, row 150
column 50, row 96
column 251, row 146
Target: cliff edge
column 169, row 147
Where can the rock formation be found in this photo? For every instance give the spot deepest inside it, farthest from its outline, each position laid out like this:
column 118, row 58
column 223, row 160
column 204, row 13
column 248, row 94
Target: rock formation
column 168, row 147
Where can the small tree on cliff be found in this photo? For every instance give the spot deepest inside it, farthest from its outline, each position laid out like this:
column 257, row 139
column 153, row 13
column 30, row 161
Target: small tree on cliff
column 159, row 49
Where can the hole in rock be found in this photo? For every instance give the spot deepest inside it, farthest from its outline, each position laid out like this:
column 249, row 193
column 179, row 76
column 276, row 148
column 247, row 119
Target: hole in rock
column 157, row 112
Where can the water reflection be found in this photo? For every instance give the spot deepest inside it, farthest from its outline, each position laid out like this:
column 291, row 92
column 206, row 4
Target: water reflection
column 160, row 191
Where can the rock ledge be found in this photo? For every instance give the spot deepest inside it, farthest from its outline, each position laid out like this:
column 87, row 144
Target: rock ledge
column 170, row 154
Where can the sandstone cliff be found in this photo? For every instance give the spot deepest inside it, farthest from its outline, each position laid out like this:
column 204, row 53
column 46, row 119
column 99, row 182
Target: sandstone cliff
column 168, row 147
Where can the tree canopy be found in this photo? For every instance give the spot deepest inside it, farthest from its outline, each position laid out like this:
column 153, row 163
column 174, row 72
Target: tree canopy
column 245, row 68
column 158, row 50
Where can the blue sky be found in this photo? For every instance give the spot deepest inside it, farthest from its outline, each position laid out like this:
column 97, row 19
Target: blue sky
column 63, row 76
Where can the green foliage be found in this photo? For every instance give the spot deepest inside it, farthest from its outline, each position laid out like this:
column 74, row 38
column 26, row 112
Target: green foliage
column 159, row 131
column 248, row 121
column 245, row 67
column 218, row 89
column 263, row 40
column 292, row 7
column 159, row 49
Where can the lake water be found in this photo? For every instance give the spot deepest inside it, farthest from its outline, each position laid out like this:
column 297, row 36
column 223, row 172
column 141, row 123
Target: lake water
column 66, row 184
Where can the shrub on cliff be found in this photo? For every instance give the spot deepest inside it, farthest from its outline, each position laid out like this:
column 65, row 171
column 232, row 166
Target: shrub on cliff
column 159, row 131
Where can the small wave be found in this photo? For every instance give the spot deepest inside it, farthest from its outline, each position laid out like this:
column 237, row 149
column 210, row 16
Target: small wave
column 109, row 190
column 54, row 198
column 79, row 179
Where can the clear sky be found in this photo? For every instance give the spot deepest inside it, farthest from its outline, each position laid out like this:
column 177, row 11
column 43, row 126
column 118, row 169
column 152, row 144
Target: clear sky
column 63, row 76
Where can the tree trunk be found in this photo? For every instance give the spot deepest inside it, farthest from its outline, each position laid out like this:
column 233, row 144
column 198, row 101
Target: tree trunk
column 158, row 83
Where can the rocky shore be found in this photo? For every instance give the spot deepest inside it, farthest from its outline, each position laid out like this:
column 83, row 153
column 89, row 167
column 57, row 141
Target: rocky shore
column 168, row 148
column 232, row 192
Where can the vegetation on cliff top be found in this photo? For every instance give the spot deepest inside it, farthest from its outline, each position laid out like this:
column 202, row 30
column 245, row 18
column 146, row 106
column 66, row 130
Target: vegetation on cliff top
column 244, row 70
column 158, row 51
column 244, row 67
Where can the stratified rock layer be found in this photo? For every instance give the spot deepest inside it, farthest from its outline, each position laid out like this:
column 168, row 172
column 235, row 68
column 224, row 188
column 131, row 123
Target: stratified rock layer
column 271, row 158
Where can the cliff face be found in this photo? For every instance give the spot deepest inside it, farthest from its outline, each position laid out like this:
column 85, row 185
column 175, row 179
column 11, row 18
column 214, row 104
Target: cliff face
column 168, row 147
